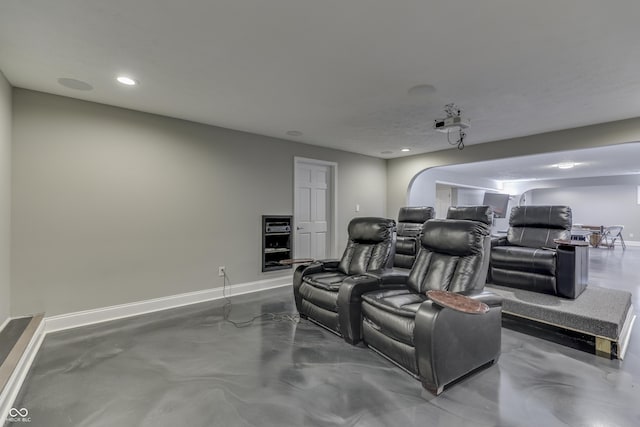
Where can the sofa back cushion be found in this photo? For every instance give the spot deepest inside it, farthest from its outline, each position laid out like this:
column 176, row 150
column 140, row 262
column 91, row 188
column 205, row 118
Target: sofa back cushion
column 370, row 246
column 483, row 213
column 451, row 256
column 410, row 222
column 539, row 226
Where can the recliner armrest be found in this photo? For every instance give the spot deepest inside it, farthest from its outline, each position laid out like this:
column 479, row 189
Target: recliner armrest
column 304, row 270
column 350, row 302
column 354, row 286
column 450, row 343
column 328, row 264
column 391, row 277
column 572, row 270
column 318, row 267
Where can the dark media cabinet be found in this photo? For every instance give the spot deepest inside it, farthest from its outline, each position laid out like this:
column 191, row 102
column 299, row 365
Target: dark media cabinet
column 277, row 241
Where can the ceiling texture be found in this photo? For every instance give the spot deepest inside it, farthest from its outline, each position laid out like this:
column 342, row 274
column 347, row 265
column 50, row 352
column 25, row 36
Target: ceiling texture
column 339, row 72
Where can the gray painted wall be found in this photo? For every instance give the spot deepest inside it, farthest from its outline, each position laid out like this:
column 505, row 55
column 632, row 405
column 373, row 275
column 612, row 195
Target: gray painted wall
column 468, row 196
column 112, row 206
column 401, row 171
column 423, row 187
column 597, row 205
column 5, row 197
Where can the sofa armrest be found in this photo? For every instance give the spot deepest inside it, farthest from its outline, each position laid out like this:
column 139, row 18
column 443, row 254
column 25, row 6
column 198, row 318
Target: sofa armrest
column 350, row 303
column 306, row 269
column 329, row 264
column 449, row 344
column 391, row 277
column 572, row 270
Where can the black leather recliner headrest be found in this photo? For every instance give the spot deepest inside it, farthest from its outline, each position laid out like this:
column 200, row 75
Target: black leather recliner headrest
column 415, row 214
column 482, row 214
column 541, row 217
column 371, row 229
column 454, row 237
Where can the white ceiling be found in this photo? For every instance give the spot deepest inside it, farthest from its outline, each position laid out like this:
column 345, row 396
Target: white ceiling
column 622, row 159
column 339, row 71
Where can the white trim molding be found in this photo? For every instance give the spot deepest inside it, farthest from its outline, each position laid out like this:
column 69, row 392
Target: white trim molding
column 105, row 314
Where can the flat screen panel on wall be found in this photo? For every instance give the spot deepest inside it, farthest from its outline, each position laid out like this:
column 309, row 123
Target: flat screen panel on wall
column 499, row 203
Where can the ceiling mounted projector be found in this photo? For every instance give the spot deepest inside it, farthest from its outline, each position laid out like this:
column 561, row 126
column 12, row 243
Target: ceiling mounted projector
column 453, row 122
column 450, row 123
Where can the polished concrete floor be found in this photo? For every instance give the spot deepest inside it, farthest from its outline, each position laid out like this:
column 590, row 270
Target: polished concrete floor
column 186, row 367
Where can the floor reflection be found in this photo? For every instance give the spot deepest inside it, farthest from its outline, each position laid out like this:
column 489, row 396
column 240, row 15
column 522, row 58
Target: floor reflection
column 189, row 367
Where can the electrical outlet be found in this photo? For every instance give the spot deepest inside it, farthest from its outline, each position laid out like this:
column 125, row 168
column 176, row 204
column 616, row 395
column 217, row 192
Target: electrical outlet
column 630, row 234
column 221, row 271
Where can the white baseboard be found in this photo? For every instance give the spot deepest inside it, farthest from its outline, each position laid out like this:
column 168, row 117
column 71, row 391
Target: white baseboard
column 104, row 314
column 88, row 317
column 13, row 386
column 630, row 243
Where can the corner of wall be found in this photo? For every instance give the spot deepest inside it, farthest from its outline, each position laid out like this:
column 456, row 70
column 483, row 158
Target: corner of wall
column 5, row 197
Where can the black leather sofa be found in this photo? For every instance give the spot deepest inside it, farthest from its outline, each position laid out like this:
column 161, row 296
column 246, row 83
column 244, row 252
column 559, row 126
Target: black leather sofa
column 410, row 222
column 435, row 344
column 484, row 215
column 529, row 258
column 315, row 287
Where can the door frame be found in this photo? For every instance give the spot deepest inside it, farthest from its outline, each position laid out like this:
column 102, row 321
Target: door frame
column 333, row 198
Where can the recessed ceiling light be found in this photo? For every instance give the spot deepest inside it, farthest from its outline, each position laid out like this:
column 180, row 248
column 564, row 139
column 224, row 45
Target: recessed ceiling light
column 405, row 149
column 294, row 133
column 128, row 81
column 565, row 165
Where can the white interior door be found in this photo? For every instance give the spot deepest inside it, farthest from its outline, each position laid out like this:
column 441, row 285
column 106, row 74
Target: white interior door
column 312, row 212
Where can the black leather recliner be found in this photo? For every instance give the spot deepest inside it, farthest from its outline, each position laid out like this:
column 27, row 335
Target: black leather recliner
column 410, row 222
column 437, row 345
column 315, row 287
column 482, row 214
column 528, row 258
column 350, row 297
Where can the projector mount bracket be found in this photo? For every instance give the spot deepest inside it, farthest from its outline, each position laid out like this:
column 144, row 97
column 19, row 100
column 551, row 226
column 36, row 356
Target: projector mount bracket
column 453, row 122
